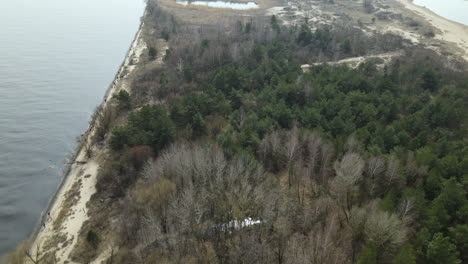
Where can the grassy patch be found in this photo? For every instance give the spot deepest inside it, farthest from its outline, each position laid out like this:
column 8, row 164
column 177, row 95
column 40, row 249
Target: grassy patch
column 71, row 198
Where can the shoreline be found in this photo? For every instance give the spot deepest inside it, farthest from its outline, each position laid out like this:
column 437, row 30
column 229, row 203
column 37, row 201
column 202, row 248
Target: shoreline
column 73, row 169
column 409, row 4
column 437, row 14
column 450, row 31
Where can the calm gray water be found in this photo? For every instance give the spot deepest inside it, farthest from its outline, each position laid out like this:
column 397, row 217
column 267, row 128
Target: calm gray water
column 57, row 58
column 456, row 10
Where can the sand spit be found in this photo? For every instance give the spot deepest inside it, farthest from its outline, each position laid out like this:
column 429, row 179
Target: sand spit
column 449, row 30
column 69, row 206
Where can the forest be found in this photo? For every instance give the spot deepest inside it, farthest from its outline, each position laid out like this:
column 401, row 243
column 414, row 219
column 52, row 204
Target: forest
column 231, row 153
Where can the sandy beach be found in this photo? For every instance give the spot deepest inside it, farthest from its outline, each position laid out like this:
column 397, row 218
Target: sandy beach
column 68, row 209
column 450, row 31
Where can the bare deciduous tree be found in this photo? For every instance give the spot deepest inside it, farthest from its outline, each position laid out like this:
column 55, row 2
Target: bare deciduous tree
column 348, row 172
column 374, row 169
column 180, row 66
column 103, row 121
column 391, row 173
column 349, row 169
column 190, row 191
column 313, row 146
column 406, row 210
column 292, row 150
column 25, row 254
column 325, row 243
column 326, row 155
column 270, row 152
column 375, row 166
column 385, row 230
column 352, row 144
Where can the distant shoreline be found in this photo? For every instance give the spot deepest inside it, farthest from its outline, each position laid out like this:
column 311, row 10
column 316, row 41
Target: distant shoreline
column 451, row 31
column 438, row 14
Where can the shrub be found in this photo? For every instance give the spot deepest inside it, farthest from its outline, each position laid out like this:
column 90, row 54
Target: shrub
column 124, row 99
column 165, row 35
column 149, row 126
column 137, row 156
column 120, row 138
column 428, row 33
column 152, row 53
column 168, row 54
column 104, row 118
column 93, row 238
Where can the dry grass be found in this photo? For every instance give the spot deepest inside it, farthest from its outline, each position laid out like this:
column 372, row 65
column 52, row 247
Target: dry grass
column 209, row 15
column 17, row 256
column 54, row 241
column 71, row 198
column 103, row 217
column 405, row 24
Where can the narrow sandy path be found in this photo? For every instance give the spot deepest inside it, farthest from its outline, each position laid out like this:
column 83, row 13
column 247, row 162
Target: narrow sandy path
column 356, row 61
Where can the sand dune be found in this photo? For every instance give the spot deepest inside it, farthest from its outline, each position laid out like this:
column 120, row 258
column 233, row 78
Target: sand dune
column 450, row 31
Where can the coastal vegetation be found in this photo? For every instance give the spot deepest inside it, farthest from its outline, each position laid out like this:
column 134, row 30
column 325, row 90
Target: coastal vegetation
column 230, row 152
column 246, row 158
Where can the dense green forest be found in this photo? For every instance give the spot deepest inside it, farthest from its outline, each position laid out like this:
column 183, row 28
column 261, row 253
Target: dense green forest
column 247, row 159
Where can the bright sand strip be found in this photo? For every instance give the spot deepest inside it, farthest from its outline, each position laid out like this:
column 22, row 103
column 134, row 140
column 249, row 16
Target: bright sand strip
column 451, row 31
column 81, row 179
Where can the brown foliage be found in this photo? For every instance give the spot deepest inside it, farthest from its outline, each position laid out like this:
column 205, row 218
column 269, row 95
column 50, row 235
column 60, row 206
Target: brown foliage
column 103, row 120
column 137, row 156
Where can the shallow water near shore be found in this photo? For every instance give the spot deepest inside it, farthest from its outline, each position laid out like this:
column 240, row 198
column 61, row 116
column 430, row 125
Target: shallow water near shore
column 57, row 59
column 455, row 10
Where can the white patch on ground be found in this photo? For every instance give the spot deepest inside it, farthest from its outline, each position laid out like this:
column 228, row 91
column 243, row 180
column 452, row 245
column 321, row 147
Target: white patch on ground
column 239, row 224
column 354, row 62
column 162, row 53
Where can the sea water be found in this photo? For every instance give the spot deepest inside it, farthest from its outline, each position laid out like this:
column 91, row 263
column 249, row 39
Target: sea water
column 57, row 59
column 456, row 10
